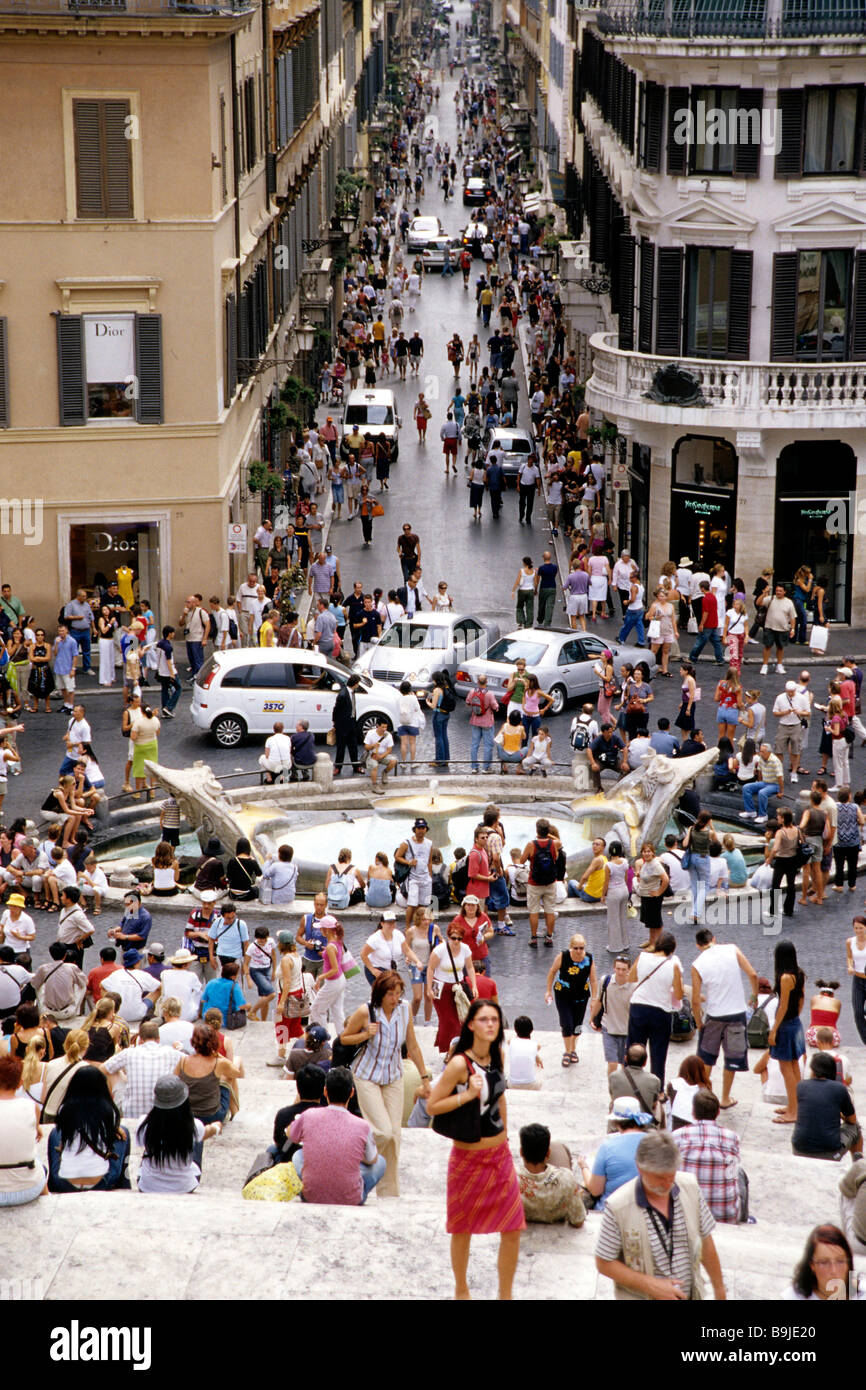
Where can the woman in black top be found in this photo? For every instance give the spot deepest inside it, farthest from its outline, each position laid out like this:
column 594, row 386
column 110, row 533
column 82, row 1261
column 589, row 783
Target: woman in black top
column 786, row 1041
column 210, row 873
column 575, row 985
column 242, row 871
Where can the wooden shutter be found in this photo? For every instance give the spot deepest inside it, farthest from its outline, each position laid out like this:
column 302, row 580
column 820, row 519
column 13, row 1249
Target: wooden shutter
column 747, row 156
column 600, row 218
column 231, row 330
column 70, row 369
column 224, row 153
column 740, row 305
column 791, row 111
column 88, row 160
column 626, row 292
column 654, row 111
column 117, row 163
column 4, row 376
column 858, row 314
column 678, row 100
column 669, row 313
column 647, row 277
column 783, row 326
column 148, row 363
column 103, row 164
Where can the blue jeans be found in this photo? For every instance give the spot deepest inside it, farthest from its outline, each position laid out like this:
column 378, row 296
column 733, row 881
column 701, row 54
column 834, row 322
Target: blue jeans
column 709, row 634
column 195, row 656
column 82, row 637
column 763, row 791
column 800, row 626
column 116, row 1178
column 531, row 723
column 22, row 1195
column 699, row 876
column 440, row 736
column 225, row 1098
column 371, row 1173
column 484, row 737
column 633, row 619
column 505, row 757
column 497, row 898
column 171, row 689
column 575, row 892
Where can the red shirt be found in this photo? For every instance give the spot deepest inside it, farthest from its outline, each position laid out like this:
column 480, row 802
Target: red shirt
column 848, row 696
column 470, row 933
column 486, row 987
column 478, row 864
column 710, row 611
column 96, row 977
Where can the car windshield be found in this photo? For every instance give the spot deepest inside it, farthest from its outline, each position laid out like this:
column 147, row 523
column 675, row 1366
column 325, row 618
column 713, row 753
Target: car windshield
column 416, row 637
column 425, row 226
column 512, row 446
column 513, row 649
column 369, row 415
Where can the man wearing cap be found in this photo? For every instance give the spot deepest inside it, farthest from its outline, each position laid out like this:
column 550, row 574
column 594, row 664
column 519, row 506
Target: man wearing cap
column 656, row 1230
column 848, row 696
column 144, row 1063
column 155, row 960
column 177, row 981
column 196, row 935
column 138, row 991
column 135, row 924
column 790, row 709
column 99, row 974
column 614, row 1163
column 415, row 853
column 227, row 937
column 17, row 928
column 315, row 1050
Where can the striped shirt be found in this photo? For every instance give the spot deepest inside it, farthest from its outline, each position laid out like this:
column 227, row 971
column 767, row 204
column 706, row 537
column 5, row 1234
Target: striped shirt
column 669, row 1241
column 381, row 1061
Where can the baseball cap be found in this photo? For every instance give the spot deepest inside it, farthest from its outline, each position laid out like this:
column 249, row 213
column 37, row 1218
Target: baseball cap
column 388, row 916
column 420, row 824
column 790, row 685
column 157, row 949
column 317, row 1034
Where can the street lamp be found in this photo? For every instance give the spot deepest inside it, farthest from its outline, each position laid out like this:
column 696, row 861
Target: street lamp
column 347, row 222
column 305, row 335
column 523, row 185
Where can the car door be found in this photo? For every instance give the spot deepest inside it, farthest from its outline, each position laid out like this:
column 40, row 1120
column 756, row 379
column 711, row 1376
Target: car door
column 592, row 650
column 569, row 667
column 316, row 691
column 269, row 696
column 466, row 643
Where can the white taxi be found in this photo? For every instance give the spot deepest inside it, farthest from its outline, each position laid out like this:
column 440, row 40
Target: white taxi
column 245, row 691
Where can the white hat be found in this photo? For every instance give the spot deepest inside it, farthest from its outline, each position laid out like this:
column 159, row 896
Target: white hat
column 182, row 957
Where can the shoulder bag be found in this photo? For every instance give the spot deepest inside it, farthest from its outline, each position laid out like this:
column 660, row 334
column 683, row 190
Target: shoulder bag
column 235, row 1018
column 53, row 1087
column 461, row 997
column 345, row 1054
column 462, row 1124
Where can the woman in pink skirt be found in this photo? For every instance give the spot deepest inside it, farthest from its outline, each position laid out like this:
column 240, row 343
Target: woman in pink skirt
column 483, row 1195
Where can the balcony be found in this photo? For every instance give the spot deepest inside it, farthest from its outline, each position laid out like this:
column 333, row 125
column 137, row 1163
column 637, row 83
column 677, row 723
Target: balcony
column 734, row 19
column 738, row 395
column 108, row 9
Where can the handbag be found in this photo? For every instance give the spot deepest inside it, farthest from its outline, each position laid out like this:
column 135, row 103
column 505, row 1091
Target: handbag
column 803, row 853
column 654, row 630
column 235, row 1018
column 692, row 624
column 460, row 996
column 687, row 858
column 464, row 1122
column 331, row 737
column 299, row 1008
column 377, row 509
column 344, row 1054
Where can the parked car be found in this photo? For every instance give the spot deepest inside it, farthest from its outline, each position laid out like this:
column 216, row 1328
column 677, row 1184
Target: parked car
column 433, row 254
column 475, row 191
column 562, row 660
column 416, row 647
column 243, row 692
column 423, row 230
column 514, row 447
column 374, row 412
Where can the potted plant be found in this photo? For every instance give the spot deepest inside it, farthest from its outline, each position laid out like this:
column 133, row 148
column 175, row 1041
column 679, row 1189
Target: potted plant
column 291, row 389
column 279, row 416
column 609, row 432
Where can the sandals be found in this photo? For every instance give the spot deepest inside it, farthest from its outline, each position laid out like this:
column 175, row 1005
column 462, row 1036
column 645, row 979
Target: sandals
column 566, row 1059
column 533, row 942
column 548, row 941
column 573, row 1057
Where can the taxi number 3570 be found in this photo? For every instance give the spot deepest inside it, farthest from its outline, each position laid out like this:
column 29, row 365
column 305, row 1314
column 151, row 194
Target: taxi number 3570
column 273, row 706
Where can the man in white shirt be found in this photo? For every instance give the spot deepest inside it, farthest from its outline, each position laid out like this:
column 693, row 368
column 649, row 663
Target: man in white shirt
column 621, row 580
column 247, row 598
column 175, row 1031
column 790, row 708
column 138, row 991
column 717, row 982
column 636, row 749
column 77, row 733
column 277, row 757
column 673, row 862
column 180, row 983
column 685, row 585
column 379, row 743
column 804, row 690
column 699, row 577
column 527, row 481
column 223, row 640
column 17, row 928
column 262, row 542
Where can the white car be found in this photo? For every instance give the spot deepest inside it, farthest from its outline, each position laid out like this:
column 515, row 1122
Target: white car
column 374, row 412
column 244, row 691
column 413, row 648
column 514, row 447
column 423, row 230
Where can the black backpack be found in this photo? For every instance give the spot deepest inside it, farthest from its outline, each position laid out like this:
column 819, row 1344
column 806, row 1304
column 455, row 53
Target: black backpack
column 233, row 630
column 460, row 879
column 683, row 1026
column 344, row 1054
column 448, row 703
column 544, row 865
column 212, row 627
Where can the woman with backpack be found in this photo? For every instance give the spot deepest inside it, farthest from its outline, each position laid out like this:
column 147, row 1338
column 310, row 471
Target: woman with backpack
column 442, row 702
column 344, row 884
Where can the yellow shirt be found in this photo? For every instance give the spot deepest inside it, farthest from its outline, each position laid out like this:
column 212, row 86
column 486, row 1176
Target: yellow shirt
column 594, row 885
column 512, row 737
column 266, row 634
column 378, row 331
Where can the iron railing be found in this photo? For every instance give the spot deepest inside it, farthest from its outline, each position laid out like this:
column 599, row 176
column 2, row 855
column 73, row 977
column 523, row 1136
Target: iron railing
column 162, row 8
column 728, row 19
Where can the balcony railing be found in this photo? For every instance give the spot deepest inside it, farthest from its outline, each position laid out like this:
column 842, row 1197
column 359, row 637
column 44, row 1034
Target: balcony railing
column 756, row 393
column 731, row 19
column 85, row 8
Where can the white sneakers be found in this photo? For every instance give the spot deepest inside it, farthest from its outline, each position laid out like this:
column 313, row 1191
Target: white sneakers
column 748, row 815
column 780, row 670
column 764, row 669
column 760, row 820
column 794, row 777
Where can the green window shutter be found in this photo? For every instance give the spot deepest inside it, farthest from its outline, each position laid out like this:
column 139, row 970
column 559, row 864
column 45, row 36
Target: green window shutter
column 148, row 363
column 70, row 369
column 4, row 376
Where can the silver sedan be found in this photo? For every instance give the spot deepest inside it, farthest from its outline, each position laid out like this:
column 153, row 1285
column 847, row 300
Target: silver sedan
column 413, row 648
column 562, row 660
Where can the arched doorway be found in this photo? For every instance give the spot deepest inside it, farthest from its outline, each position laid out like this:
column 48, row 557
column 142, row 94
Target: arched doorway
column 810, row 476
column 704, row 501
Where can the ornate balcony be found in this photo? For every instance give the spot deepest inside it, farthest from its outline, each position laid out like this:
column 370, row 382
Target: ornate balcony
column 107, row 9
column 735, row 395
column 734, row 19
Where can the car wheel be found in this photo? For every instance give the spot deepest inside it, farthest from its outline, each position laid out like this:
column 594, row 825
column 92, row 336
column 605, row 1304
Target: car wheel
column 229, row 730
column 369, row 721
column 559, row 696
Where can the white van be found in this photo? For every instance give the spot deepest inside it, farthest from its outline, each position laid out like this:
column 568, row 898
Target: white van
column 373, row 412
column 244, row 691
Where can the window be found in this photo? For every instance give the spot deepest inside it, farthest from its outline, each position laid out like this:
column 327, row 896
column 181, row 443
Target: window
column 823, row 282
column 570, row 652
column 712, row 111
column 103, row 165
column 831, row 124
column 709, row 283
column 269, row 675
column 235, row 678
column 110, row 368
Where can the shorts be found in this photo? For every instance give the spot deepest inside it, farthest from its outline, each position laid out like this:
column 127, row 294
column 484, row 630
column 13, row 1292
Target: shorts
column 728, row 1034
column 789, row 738
column 497, row 897
column 613, row 1046
column 263, row 982
column 541, row 896
column 790, row 1044
column 407, row 731
column 775, row 639
column 726, row 714
column 65, row 682
column 449, row 446
column 418, row 977
column 576, row 605
column 418, row 892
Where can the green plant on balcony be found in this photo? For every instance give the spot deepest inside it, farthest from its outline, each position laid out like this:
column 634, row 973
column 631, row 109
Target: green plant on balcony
column 308, row 399
column 594, row 433
column 609, row 432
column 279, row 416
column 550, row 242
column 535, row 186
column 262, row 478
column 291, row 390
column 321, row 337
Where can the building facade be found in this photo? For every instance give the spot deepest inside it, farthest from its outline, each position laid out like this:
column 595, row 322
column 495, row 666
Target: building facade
column 164, row 166
column 722, row 152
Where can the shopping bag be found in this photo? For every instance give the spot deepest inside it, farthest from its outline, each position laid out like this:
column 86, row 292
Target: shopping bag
column 818, row 638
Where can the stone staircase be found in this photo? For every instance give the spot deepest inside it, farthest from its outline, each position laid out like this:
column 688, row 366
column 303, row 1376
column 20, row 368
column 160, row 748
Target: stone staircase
column 216, row 1245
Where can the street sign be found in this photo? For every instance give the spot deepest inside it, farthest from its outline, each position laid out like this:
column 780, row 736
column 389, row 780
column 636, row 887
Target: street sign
column 237, row 538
